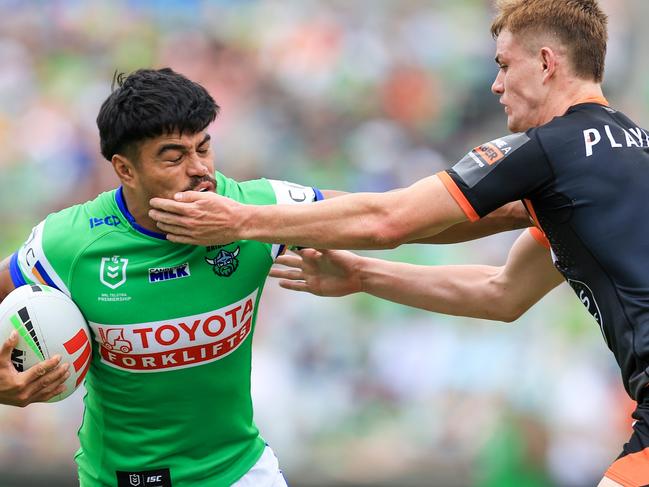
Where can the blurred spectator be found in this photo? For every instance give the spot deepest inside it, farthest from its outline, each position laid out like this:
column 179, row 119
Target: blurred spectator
column 360, row 96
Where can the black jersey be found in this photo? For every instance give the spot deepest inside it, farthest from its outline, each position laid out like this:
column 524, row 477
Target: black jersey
column 584, row 178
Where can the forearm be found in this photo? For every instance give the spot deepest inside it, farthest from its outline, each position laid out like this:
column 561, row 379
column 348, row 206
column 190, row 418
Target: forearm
column 355, row 221
column 351, row 221
column 466, row 290
column 6, row 284
column 511, row 216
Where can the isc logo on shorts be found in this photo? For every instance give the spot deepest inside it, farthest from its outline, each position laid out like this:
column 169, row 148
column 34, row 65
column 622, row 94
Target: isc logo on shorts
column 151, row 478
column 176, row 343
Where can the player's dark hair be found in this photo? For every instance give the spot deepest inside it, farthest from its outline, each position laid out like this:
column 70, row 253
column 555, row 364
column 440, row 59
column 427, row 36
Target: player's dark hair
column 580, row 25
column 149, row 103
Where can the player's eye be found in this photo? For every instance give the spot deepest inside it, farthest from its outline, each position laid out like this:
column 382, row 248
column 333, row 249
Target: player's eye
column 203, row 150
column 176, row 159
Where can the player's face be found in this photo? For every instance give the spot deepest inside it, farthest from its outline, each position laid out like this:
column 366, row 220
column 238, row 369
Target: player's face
column 172, row 163
column 519, row 83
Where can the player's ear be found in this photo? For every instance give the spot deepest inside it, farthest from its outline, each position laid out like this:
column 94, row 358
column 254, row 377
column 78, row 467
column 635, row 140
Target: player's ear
column 124, row 169
column 549, row 62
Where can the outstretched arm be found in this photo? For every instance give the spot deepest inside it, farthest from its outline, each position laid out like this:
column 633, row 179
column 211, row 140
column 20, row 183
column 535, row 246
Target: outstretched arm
column 39, row 383
column 488, row 292
column 361, row 220
column 512, row 216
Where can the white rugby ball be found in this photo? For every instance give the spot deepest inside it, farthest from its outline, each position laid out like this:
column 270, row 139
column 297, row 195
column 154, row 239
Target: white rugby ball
column 48, row 323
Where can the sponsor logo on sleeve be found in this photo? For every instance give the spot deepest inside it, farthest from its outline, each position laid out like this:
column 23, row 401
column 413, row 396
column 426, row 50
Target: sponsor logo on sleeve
column 484, row 158
column 176, row 343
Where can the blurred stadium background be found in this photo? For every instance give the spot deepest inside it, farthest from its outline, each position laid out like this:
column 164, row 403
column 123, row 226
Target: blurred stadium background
column 358, row 95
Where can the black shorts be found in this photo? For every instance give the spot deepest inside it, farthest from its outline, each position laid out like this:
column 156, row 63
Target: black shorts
column 631, row 469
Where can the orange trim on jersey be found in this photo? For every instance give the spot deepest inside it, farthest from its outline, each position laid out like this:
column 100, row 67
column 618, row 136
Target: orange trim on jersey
column 594, row 99
column 38, row 276
column 540, row 237
column 458, row 196
column 530, row 210
column 631, row 470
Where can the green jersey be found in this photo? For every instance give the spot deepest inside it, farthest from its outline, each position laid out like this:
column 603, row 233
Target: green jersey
column 168, row 390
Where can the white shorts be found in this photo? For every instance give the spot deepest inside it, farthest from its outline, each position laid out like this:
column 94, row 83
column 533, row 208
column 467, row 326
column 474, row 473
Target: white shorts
column 264, row 473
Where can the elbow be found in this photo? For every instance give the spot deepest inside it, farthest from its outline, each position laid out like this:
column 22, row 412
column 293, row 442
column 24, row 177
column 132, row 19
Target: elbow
column 510, row 316
column 393, row 229
column 388, row 224
column 503, row 305
column 387, row 234
column 504, row 313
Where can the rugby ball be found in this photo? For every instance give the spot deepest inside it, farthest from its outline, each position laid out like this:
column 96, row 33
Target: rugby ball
column 48, row 323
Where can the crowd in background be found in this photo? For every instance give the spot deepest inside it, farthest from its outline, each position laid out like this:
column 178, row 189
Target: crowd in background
column 357, row 95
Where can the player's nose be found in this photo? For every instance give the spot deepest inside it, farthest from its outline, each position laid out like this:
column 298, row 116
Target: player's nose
column 196, row 167
column 498, row 87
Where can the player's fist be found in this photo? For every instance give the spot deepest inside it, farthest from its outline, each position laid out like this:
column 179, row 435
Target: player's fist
column 39, row 383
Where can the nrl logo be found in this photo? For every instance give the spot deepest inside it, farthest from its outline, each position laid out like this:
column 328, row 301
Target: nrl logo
column 225, row 262
column 112, row 272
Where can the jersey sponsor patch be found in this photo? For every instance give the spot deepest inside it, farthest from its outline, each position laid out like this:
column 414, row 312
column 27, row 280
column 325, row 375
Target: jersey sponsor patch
column 484, row 158
column 149, row 478
column 159, row 274
column 177, row 343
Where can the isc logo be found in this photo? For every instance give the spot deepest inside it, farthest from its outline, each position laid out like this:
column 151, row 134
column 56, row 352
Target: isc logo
column 150, row 478
column 111, row 221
